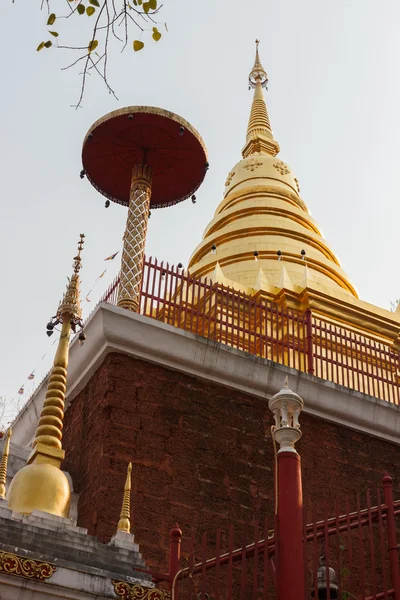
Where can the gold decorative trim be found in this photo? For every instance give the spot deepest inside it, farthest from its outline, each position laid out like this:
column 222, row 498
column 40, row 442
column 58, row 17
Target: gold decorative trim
column 133, row 591
column 281, row 167
column 229, row 178
column 252, row 164
column 25, row 567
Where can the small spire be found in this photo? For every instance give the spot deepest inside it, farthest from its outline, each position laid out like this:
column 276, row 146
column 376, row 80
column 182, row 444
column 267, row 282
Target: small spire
column 285, row 281
column 69, row 315
column 304, row 281
column 262, row 281
column 4, row 463
column 124, row 523
column 41, row 485
column 70, row 304
column 259, row 137
column 217, row 276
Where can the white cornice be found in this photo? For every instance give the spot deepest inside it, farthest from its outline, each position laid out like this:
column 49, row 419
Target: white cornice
column 112, row 329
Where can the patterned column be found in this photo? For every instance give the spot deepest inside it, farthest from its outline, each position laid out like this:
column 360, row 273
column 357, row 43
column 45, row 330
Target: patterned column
column 135, row 238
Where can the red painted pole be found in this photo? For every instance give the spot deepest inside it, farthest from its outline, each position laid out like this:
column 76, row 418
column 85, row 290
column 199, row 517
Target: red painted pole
column 289, row 523
column 391, row 534
column 309, row 342
column 175, row 539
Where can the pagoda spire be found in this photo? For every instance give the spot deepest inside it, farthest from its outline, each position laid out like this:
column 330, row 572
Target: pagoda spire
column 124, row 523
column 41, row 485
column 4, row 464
column 259, row 138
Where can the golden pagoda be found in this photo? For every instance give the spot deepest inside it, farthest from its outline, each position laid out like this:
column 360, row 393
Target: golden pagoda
column 264, row 242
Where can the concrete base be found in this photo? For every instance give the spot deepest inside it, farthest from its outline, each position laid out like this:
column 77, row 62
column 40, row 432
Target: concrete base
column 124, row 540
column 84, row 567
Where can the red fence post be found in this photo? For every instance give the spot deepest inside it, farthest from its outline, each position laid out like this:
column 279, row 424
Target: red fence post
column 392, row 537
column 175, row 539
column 309, row 342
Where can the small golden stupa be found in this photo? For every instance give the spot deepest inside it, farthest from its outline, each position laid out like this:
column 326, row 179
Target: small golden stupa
column 41, row 485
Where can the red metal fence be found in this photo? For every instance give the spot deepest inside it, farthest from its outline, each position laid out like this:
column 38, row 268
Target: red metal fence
column 351, row 555
column 263, row 328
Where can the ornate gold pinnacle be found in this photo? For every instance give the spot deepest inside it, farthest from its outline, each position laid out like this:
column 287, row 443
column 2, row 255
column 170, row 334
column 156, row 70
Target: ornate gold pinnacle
column 258, row 74
column 135, row 238
column 69, row 313
column 3, row 464
column 259, row 137
column 41, row 485
column 70, row 304
column 124, row 523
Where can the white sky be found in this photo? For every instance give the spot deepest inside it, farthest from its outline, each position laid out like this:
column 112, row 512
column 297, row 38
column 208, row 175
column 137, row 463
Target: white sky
column 333, row 99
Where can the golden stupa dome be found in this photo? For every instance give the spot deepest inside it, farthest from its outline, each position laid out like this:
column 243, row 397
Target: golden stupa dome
column 40, row 486
column 262, row 235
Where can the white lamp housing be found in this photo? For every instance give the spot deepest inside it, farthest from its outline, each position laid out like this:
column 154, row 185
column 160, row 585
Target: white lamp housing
column 286, row 407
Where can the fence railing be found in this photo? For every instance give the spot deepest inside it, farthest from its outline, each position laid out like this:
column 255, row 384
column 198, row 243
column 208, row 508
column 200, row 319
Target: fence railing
column 263, row 328
column 351, row 555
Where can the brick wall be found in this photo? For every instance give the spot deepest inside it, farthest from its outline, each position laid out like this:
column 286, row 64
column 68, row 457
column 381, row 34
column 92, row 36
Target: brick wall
column 198, row 452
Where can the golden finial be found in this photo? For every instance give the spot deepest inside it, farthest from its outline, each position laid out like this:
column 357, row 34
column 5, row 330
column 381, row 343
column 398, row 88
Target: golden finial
column 259, row 138
column 258, row 74
column 4, row 463
column 124, row 523
column 41, row 485
column 70, row 304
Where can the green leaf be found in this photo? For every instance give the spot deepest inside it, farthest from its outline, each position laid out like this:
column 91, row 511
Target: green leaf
column 40, row 47
column 90, row 10
column 48, row 44
column 80, row 8
column 51, row 19
column 139, row 2
column 93, row 45
column 94, row 2
column 54, row 33
column 152, row 4
column 146, row 7
column 137, row 45
column 156, row 34
column 135, row 2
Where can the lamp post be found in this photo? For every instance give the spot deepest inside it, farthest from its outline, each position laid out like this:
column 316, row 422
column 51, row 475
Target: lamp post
column 286, row 406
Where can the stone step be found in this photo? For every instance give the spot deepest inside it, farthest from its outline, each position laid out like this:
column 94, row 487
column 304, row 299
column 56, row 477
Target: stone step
column 68, row 539
column 76, row 557
column 100, row 555
column 100, row 569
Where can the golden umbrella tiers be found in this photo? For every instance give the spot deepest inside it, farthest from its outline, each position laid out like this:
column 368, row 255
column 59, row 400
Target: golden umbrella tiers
column 138, row 135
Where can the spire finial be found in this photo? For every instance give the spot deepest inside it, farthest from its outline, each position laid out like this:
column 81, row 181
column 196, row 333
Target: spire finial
column 4, row 463
column 258, row 74
column 70, row 304
column 69, row 315
column 41, row 485
column 124, row 523
column 259, row 139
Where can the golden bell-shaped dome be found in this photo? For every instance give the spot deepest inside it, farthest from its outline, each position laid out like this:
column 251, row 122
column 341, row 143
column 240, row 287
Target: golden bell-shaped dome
column 263, row 216
column 40, row 486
